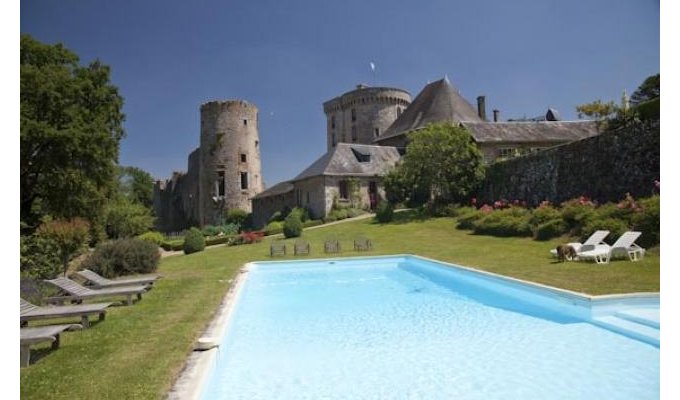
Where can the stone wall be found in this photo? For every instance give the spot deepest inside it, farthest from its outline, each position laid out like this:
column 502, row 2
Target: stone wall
column 603, row 167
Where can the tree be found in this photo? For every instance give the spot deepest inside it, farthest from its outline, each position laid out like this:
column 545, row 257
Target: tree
column 136, row 184
column 597, row 109
column 70, row 130
column 648, row 90
column 70, row 236
column 443, row 161
column 125, row 218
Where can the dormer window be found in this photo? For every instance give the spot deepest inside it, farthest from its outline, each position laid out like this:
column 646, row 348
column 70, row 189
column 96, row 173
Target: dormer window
column 362, row 156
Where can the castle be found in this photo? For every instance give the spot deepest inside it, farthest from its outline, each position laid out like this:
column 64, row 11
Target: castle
column 366, row 135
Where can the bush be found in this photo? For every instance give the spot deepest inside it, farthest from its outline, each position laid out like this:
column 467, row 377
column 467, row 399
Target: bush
column 193, row 241
column 228, row 229
column 578, row 213
column 210, row 230
column 273, row 228
column 550, row 229
column 467, row 216
column 384, row 213
column 251, row 237
column 648, row 221
column 302, row 213
column 219, row 240
column 312, row 222
column 71, row 237
column 616, row 228
column 126, row 218
column 237, row 217
column 153, row 237
column 122, row 257
column 39, row 257
column 292, row 227
column 354, row 212
column 508, row 222
column 543, row 214
column 173, row 245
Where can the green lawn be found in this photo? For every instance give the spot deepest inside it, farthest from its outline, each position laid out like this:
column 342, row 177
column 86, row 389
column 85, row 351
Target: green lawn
column 138, row 351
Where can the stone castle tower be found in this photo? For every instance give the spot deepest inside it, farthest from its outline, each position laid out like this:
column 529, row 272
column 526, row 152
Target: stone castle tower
column 363, row 114
column 230, row 170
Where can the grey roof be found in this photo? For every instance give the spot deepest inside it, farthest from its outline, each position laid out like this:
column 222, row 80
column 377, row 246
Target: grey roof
column 344, row 160
column 279, row 188
column 437, row 102
column 534, row 131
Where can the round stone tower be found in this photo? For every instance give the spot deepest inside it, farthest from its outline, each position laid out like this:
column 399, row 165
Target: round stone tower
column 230, row 168
column 363, row 114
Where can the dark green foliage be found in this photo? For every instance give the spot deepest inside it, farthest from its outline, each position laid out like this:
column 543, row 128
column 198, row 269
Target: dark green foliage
column 277, row 216
column 193, row 241
column 648, row 221
column 70, row 130
column 136, row 185
column 649, row 110
column 238, row 217
column 616, row 227
column 302, row 213
column 71, row 237
column 544, row 214
column 648, row 90
column 210, row 230
column 384, row 213
column 220, row 240
column 513, row 221
column 312, row 222
column 173, row 245
column 292, row 227
column 577, row 213
column 467, row 216
column 156, row 238
column 39, row 257
column 123, row 257
column 550, row 229
column 273, row 228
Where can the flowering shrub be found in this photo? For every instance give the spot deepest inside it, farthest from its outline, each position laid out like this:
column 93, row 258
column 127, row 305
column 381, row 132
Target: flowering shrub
column 251, row 237
column 511, row 221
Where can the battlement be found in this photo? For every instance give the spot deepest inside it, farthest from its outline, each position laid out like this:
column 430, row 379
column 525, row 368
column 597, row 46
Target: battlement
column 214, row 105
column 368, row 95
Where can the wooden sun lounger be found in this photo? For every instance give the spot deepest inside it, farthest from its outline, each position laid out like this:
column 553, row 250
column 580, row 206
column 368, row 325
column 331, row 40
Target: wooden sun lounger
column 277, row 249
column 41, row 334
column 99, row 282
column 75, row 292
column 31, row 312
column 301, row 247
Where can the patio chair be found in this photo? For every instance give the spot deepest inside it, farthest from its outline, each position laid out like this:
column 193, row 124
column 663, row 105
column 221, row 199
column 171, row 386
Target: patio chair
column 76, row 293
column 596, row 239
column 277, row 248
column 301, row 247
column 362, row 244
column 50, row 333
column 624, row 246
column 98, row 282
column 331, row 245
column 31, row 312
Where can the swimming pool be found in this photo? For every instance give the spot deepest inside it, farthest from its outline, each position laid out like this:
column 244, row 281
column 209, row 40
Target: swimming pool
column 410, row 328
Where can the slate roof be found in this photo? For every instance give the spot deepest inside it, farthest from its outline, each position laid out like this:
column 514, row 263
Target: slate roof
column 437, row 102
column 533, row 131
column 344, row 160
column 279, row 188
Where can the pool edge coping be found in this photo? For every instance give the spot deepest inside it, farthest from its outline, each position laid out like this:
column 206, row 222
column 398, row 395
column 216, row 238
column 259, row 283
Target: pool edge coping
column 196, row 369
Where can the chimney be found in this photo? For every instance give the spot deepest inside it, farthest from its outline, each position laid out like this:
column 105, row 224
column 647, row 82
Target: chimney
column 496, row 115
column 481, row 107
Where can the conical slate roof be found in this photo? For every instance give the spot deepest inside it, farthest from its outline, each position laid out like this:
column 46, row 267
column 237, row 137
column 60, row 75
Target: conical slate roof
column 437, row 102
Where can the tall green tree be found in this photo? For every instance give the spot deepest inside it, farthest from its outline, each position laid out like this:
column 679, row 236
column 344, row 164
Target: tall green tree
column 136, row 184
column 441, row 160
column 70, row 130
column 597, row 109
column 648, row 90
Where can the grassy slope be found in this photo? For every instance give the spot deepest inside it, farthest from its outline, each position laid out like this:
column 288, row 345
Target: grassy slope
column 138, row 351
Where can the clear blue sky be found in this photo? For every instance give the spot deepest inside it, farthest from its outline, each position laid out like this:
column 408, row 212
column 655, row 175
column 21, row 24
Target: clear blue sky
column 288, row 57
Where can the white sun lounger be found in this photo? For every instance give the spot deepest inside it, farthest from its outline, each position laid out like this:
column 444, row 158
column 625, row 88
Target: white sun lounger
column 596, row 239
column 624, row 247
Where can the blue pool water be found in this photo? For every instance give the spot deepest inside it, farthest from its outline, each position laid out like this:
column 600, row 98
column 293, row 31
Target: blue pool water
column 402, row 328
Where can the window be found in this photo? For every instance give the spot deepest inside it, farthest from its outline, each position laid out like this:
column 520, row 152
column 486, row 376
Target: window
column 307, row 197
column 257, row 143
column 362, row 156
column 377, row 132
column 245, row 122
column 332, row 121
column 333, row 139
column 243, row 158
column 344, row 190
column 354, row 134
column 354, row 115
column 508, row 152
column 398, row 111
column 244, row 180
column 220, row 183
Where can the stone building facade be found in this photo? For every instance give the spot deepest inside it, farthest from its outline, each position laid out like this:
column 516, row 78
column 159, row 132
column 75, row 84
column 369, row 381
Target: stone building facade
column 224, row 172
column 363, row 114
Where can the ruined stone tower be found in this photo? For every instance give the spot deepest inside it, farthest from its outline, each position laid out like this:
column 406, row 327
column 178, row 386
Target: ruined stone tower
column 230, row 169
column 363, row 114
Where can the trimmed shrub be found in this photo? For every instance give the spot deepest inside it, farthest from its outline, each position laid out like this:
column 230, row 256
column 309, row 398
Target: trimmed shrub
column 228, row 229
column 237, row 217
column 312, row 222
column 292, row 227
column 512, row 221
column 302, row 213
column 543, row 214
column 219, row 240
column 354, row 212
column 173, row 245
column 467, row 216
column 193, row 241
column 384, row 213
column 153, row 237
column 251, row 237
column 210, row 230
column 273, row 228
column 122, row 257
column 71, row 237
column 550, row 229
column 578, row 213
column 648, row 221
column 616, row 227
